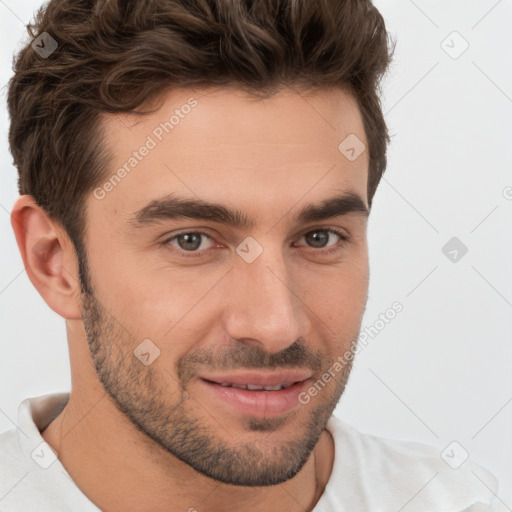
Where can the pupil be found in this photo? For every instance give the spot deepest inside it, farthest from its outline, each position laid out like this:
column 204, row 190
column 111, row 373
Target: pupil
column 315, row 236
column 188, row 238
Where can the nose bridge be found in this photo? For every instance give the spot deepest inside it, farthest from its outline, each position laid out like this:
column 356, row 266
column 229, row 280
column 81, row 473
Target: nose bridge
column 263, row 305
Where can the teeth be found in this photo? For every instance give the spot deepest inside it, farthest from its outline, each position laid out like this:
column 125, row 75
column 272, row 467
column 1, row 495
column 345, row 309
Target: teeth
column 252, row 387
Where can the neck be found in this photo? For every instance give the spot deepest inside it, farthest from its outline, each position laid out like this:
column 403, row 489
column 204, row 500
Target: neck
column 119, row 469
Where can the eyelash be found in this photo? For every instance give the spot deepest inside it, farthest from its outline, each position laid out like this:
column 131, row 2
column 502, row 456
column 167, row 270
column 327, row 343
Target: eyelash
column 191, row 254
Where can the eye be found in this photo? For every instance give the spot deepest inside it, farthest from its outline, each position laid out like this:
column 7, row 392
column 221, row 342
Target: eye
column 319, row 239
column 190, row 241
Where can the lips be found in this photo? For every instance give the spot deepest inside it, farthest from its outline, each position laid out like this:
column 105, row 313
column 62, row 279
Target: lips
column 258, row 403
column 269, row 381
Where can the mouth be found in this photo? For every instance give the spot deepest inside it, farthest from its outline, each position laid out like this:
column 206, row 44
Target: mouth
column 257, row 394
column 254, row 387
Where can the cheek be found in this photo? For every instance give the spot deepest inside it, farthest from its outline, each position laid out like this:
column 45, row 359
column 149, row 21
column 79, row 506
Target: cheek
column 162, row 304
column 157, row 301
column 339, row 286
column 337, row 298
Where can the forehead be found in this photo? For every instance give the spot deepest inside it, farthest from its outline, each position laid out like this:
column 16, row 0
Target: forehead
column 225, row 146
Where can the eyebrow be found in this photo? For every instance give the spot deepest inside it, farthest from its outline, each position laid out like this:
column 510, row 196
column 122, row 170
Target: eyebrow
column 172, row 207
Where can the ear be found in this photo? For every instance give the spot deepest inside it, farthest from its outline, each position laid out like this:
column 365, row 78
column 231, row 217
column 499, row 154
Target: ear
column 49, row 257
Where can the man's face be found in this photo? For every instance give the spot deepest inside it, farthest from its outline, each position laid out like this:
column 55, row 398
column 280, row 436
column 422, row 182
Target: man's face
column 182, row 304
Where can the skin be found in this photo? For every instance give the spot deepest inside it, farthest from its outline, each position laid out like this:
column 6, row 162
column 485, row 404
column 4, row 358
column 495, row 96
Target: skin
column 120, row 436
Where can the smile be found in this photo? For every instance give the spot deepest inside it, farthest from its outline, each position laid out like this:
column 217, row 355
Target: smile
column 254, row 387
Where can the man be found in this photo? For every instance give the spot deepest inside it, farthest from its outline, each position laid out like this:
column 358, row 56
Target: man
column 196, row 179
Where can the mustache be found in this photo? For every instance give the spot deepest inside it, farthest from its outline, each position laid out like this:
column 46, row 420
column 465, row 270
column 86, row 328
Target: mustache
column 249, row 356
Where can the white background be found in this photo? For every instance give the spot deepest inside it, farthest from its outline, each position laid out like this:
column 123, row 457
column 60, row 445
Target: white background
column 441, row 370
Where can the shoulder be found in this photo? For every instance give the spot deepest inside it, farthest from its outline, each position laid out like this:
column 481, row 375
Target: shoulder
column 13, row 467
column 31, row 475
column 11, row 458
column 373, row 470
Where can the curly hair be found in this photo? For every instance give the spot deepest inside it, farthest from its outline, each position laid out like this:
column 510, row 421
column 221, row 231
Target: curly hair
column 114, row 55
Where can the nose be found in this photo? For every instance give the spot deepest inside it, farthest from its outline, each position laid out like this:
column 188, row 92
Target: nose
column 265, row 306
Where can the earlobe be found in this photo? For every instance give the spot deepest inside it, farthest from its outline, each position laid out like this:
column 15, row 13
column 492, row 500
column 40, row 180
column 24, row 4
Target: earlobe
column 48, row 256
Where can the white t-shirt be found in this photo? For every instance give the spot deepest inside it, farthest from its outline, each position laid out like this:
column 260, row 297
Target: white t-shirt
column 370, row 474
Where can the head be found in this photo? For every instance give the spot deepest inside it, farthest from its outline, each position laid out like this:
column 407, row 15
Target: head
column 191, row 160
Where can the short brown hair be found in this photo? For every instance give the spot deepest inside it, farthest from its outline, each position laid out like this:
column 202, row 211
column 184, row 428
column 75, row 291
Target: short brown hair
column 114, row 55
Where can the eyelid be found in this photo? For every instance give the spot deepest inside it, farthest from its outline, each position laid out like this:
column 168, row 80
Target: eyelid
column 344, row 238
column 333, row 229
column 197, row 231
